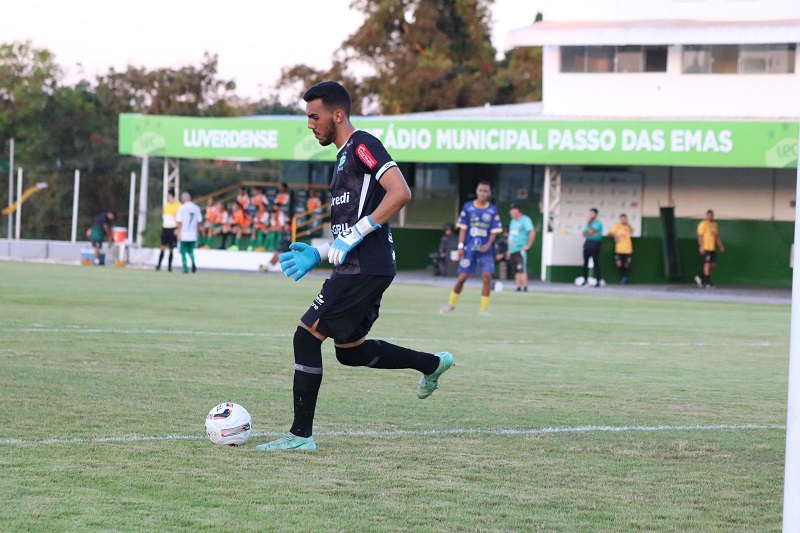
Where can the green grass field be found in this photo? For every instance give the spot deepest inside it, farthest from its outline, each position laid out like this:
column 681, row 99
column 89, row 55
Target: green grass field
column 564, row 412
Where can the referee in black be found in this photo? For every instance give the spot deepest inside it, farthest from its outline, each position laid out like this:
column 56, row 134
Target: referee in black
column 367, row 190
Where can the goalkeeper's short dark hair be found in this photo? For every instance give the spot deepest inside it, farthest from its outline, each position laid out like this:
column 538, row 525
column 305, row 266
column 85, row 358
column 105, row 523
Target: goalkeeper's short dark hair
column 333, row 95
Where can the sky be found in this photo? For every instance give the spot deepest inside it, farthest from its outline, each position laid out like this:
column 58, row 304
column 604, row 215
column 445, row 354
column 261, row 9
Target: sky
column 254, row 39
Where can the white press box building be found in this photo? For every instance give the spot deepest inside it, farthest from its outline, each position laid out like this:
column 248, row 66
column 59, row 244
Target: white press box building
column 697, row 63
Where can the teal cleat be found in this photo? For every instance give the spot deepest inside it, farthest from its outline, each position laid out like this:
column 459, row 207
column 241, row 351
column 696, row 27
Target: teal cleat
column 289, row 442
column 429, row 383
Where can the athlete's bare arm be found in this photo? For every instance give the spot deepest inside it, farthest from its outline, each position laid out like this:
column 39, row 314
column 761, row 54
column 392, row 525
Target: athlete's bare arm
column 397, row 195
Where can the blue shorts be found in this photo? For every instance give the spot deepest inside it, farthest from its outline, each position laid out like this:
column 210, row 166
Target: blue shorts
column 471, row 258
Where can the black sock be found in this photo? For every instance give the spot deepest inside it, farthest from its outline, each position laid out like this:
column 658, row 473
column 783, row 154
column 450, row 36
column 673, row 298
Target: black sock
column 169, row 261
column 160, row 258
column 307, row 381
column 382, row 354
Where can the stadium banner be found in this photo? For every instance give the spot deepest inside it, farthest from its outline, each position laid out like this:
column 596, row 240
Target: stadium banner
column 756, row 144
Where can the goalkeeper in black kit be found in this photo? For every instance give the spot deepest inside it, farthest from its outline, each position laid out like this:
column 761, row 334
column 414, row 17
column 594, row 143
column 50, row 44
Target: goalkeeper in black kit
column 367, row 190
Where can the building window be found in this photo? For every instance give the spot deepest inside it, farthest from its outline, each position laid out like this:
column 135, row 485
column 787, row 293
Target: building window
column 613, row 59
column 739, row 59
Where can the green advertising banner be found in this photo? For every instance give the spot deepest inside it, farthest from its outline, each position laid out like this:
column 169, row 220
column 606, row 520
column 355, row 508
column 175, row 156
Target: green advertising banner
column 563, row 142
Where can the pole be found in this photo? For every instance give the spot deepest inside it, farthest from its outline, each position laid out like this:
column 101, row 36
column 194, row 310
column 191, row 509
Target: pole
column 19, row 204
column 545, row 223
column 10, row 184
column 131, row 199
column 131, row 205
column 75, row 193
column 791, row 477
column 142, row 222
column 165, row 184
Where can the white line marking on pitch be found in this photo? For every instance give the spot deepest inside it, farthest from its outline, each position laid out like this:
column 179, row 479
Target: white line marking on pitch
column 40, row 328
column 410, row 432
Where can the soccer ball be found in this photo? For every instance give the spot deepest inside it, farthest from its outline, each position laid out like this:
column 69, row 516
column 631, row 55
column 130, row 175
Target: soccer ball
column 229, row 424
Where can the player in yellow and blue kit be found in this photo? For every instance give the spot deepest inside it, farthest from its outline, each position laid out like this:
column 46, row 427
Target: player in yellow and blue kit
column 478, row 224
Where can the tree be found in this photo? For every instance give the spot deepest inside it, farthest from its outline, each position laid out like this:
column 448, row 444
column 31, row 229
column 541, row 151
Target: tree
column 426, row 55
column 28, row 81
column 519, row 78
column 187, row 91
column 60, row 128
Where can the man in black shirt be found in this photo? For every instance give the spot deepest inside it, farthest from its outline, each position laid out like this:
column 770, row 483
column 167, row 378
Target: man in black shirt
column 367, row 190
column 100, row 231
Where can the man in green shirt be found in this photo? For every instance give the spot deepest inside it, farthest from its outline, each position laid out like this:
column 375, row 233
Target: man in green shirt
column 521, row 235
column 593, row 231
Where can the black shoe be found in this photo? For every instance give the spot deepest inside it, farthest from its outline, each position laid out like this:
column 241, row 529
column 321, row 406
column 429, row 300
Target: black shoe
column 169, row 268
column 524, row 289
column 158, row 267
column 194, row 268
column 519, row 289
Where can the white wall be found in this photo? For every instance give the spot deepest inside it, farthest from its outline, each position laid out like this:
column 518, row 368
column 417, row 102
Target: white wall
column 733, row 193
column 670, row 94
column 563, row 10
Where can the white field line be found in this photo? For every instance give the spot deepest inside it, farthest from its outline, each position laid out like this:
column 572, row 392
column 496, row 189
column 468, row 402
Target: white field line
column 410, row 433
column 81, row 330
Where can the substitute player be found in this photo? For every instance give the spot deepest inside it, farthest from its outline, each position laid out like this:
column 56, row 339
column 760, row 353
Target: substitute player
column 478, row 224
column 708, row 241
column 623, row 247
column 367, row 189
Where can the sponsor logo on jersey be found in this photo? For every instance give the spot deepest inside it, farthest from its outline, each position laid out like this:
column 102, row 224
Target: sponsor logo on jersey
column 337, row 229
column 367, row 158
column 341, row 199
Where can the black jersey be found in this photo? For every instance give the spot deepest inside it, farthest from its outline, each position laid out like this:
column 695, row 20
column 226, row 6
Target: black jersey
column 355, row 193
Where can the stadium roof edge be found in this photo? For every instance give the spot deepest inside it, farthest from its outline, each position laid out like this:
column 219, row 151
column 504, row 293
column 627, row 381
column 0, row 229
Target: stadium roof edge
column 655, row 32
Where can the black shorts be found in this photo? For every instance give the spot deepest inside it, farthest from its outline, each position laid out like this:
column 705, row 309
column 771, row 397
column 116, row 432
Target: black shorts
column 347, row 306
column 625, row 259
column 518, row 262
column 168, row 237
column 709, row 256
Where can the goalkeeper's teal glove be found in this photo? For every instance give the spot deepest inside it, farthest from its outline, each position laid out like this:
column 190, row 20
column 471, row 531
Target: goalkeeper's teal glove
column 300, row 259
column 349, row 239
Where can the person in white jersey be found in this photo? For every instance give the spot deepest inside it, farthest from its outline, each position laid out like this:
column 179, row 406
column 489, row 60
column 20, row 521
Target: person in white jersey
column 189, row 220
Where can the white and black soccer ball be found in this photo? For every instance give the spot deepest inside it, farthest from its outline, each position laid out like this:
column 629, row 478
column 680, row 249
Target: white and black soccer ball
column 229, row 424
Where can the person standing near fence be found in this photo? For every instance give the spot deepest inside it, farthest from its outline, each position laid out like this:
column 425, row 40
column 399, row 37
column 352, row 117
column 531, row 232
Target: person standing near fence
column 521, row 236
column 708, row 241
column 100, row 231
column 189, row 219
column 593, row 231
column 623, row 247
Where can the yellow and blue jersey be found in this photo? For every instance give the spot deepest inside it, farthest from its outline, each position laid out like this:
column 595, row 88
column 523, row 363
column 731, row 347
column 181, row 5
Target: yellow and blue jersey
column 480, row 223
